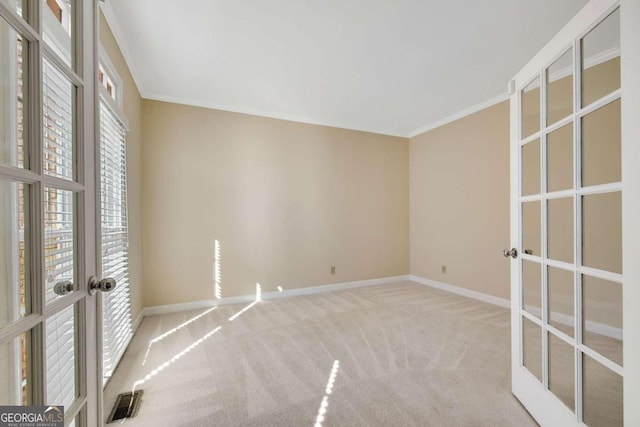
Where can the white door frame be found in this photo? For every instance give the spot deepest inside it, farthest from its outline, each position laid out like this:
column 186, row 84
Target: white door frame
column 542, row 405
column 630, row 69
column 90, row 160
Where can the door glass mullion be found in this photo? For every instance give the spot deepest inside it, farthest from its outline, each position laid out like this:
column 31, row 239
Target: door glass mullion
column 543, row 229
column 577, row 227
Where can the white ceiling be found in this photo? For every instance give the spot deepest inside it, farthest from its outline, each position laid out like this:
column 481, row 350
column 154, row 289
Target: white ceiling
column 386, row 66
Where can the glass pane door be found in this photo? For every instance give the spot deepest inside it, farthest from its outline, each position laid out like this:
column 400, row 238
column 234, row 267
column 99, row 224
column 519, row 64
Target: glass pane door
column 569, row 272
column 47, row 237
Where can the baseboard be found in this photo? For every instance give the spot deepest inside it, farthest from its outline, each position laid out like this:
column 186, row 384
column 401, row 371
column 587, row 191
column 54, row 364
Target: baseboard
column 462, row 291
column 137, row 321
column 195, row 305
column 595, row 327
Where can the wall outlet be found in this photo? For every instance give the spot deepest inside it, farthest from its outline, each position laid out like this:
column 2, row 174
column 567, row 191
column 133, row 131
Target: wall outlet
column 444, row 269
column 333, row 269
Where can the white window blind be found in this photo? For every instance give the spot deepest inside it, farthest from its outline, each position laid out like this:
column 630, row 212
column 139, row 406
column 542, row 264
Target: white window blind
column 60, row 345
column 116, row 320
column 59, row 235
column 58, row 93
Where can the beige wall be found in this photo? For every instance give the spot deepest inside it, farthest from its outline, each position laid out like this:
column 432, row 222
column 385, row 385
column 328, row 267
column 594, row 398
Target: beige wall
column 460, row 202
column 132, row 106
column 285, row 200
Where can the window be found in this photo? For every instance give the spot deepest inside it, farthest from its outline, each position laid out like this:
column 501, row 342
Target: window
column 116, row 306
column 56, row 9
column 107, row 82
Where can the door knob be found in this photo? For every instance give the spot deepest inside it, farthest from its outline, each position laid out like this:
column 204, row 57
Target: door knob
column 105, row 285
column 513, row 253
column 63, row 288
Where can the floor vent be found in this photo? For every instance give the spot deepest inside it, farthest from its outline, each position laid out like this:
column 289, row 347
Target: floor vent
column 126, row 406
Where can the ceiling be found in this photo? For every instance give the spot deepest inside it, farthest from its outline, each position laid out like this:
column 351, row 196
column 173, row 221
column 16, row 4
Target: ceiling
column 391, row 67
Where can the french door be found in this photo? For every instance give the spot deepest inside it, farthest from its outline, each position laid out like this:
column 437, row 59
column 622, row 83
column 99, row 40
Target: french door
column 48, row 348
column 574, row 202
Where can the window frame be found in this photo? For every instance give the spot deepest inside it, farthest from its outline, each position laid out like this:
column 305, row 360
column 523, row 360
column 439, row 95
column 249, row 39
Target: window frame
column 117, row 104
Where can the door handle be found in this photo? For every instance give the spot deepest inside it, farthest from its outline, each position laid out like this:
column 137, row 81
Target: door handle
column 105, row 285
column 513, row 253
column 63, row 288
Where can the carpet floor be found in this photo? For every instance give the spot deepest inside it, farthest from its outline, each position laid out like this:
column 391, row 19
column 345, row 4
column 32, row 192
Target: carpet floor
column 390, row 355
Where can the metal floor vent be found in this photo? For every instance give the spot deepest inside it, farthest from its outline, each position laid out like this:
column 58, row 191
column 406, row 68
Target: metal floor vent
column 126, row 406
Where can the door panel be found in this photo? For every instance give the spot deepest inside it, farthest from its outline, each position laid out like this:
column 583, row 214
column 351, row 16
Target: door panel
column 48, row 343
column 567, row 222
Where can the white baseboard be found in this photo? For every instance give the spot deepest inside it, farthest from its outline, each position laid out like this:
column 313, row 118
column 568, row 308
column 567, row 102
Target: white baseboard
column 602, row 329
column 595, row 327
column 137, row 321
column 502, row 302
column 195, row 305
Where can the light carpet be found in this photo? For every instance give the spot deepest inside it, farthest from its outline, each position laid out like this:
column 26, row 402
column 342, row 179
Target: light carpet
column 409, row 355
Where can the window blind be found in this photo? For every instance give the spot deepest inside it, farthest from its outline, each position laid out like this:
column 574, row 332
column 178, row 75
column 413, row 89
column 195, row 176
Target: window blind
column 59, row 236
column 116, row 319
column 58, row 92
column 60, row 350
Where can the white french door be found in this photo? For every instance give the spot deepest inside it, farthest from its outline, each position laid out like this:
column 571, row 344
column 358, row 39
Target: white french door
column 574, row 205
column 48, row 348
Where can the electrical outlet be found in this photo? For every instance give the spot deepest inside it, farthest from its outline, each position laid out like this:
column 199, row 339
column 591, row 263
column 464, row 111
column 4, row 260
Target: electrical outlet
column 444, row 269
column 333, row 269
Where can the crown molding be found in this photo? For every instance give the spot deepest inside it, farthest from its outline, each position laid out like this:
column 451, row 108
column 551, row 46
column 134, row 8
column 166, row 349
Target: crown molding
column 460, row 114
column 109, row 14
column 269, row 115
column 111, row 19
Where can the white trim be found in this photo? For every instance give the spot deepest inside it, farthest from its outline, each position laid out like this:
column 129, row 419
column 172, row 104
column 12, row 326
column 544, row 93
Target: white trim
column 195, row 305
column 460, row 114
column 269, row 115
column 136, row 323
column 501, row 302
column 112, row 72
column 630, row 74
column 109, row 16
